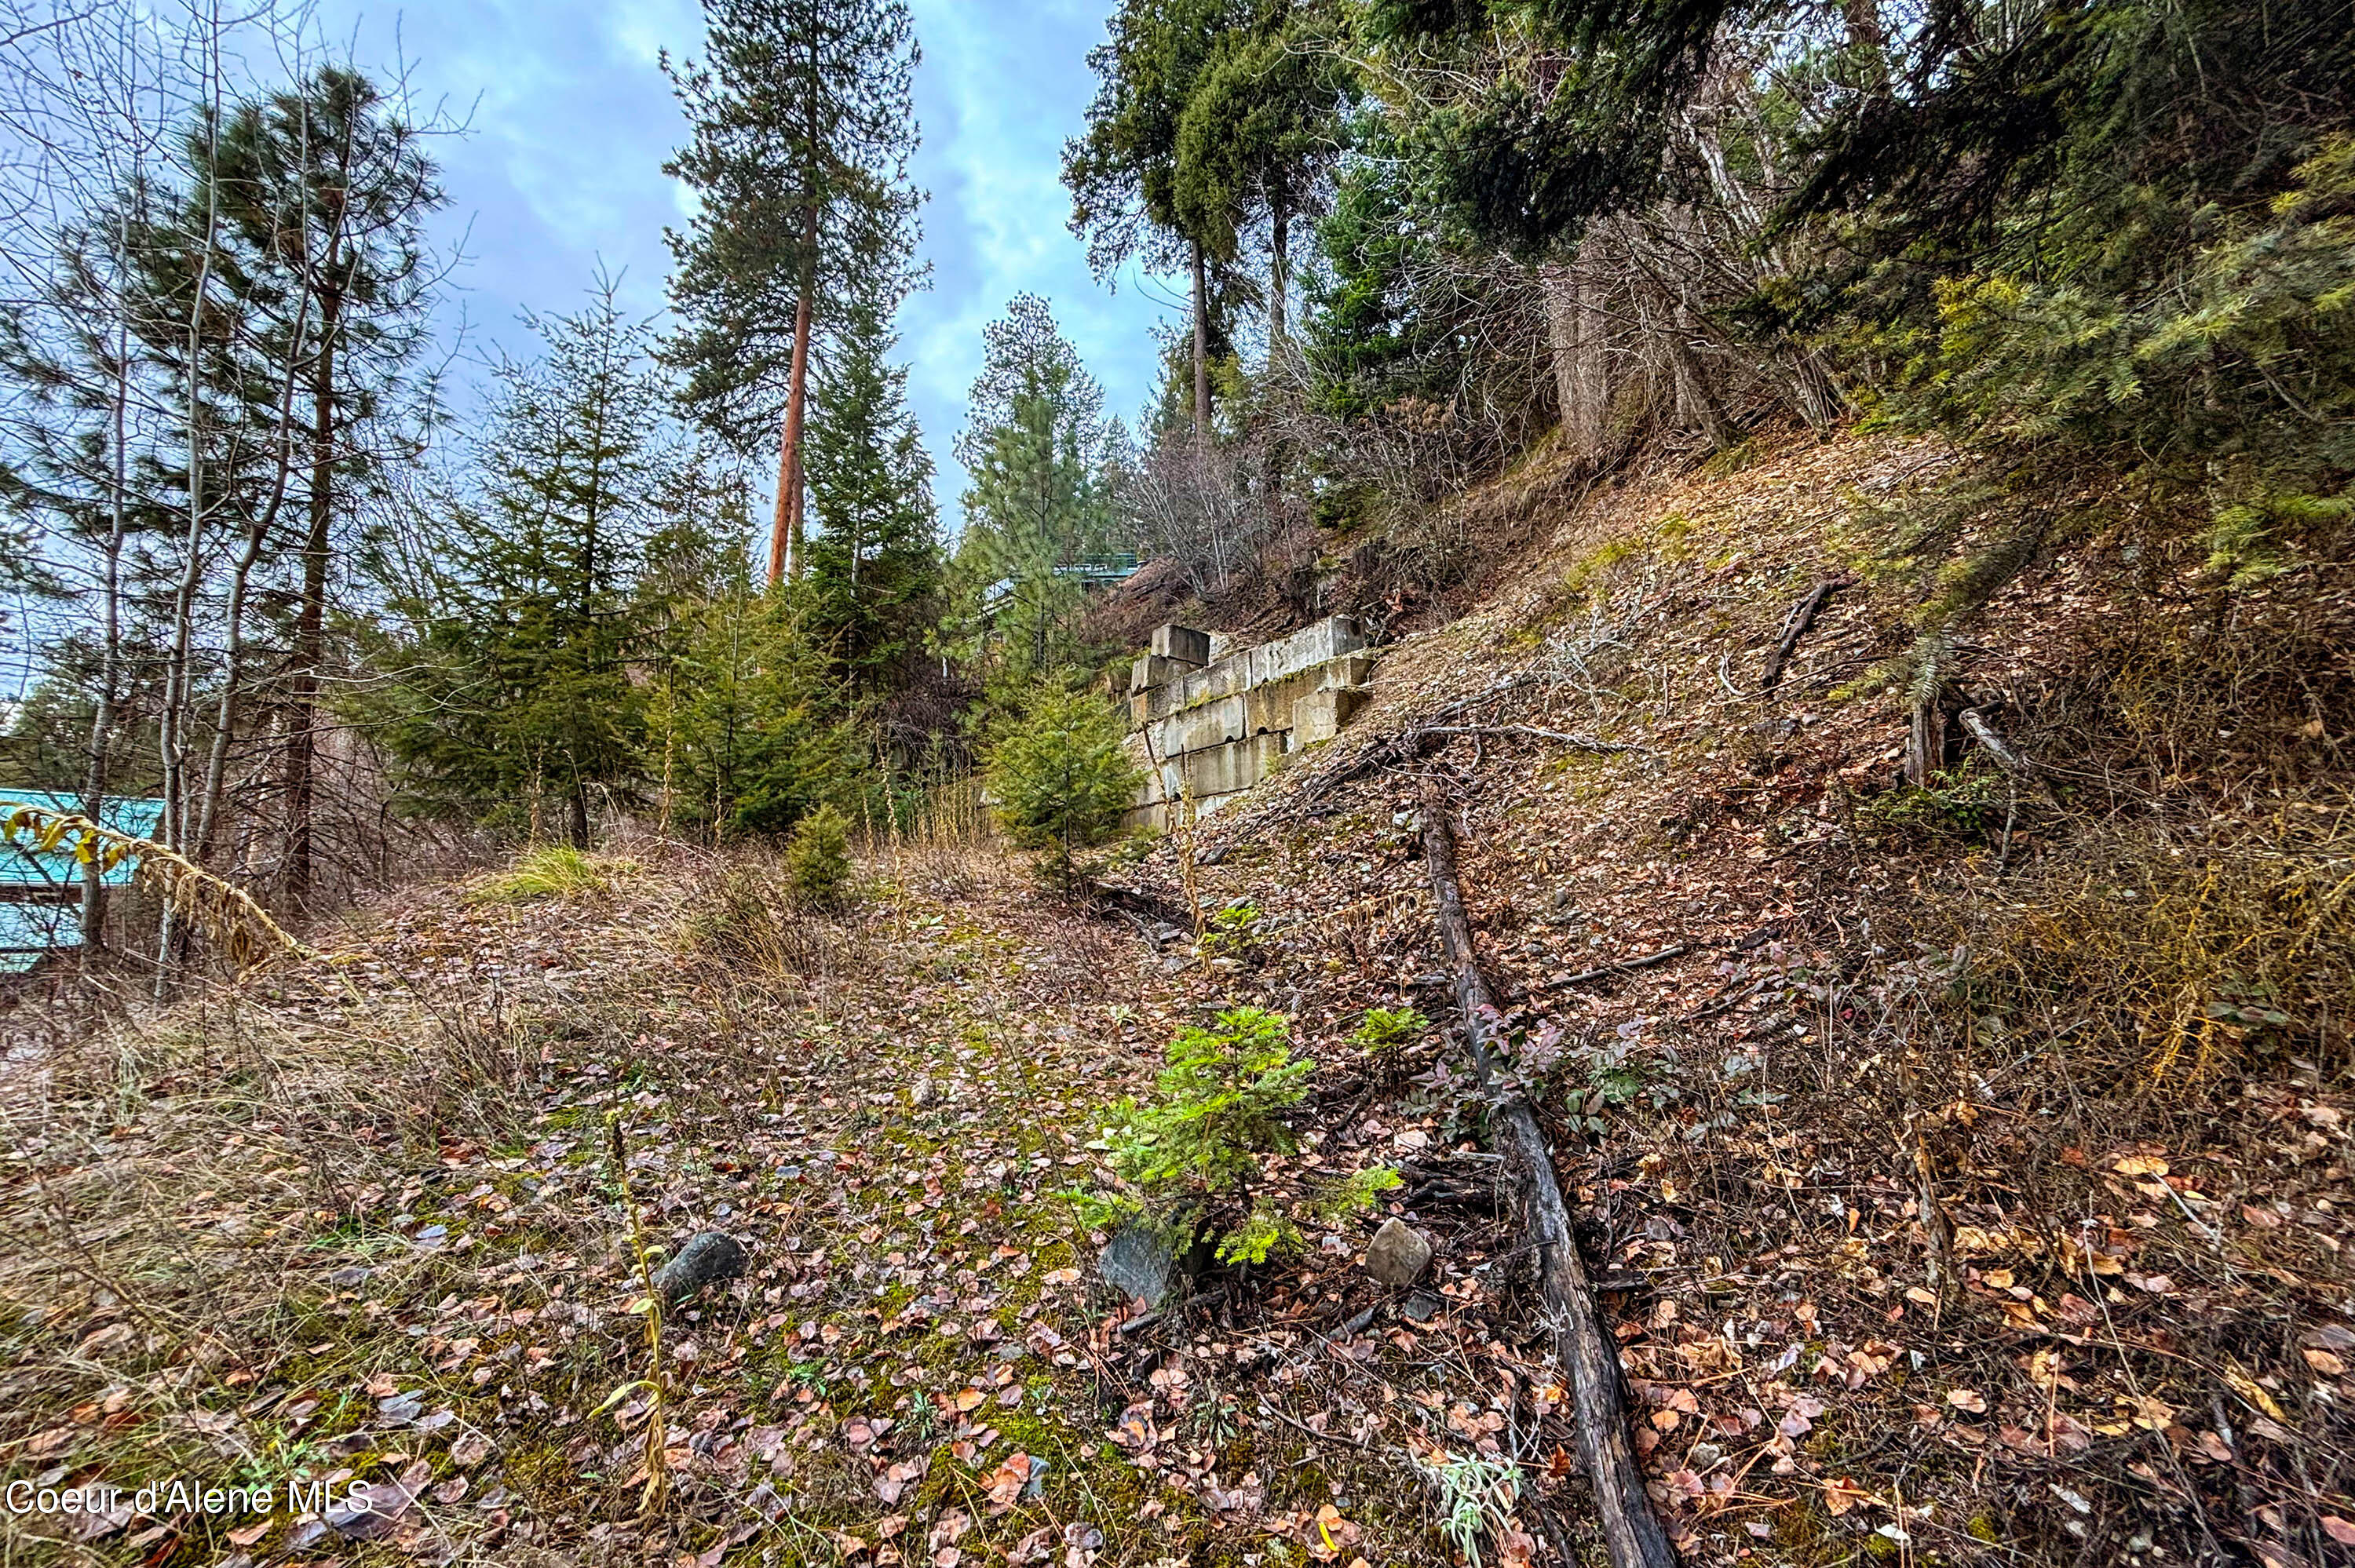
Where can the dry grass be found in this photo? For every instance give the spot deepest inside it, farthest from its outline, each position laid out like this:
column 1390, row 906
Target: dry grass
column 234, row 1230
column 2166, row 960
column 184, row 1190
column 742, row 916
column 552, row 871
column 947, row 846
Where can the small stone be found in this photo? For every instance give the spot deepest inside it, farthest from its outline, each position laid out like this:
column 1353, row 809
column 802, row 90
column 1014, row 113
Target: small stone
column 922, row 1094
column 1422, row 1306
column 400, row 1409
column 1397, row 1254
column 713, row 1257
column 1138, row 1263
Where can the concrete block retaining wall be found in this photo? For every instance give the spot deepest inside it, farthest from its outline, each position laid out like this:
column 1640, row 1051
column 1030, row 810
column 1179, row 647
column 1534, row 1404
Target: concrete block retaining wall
column 1207, row 729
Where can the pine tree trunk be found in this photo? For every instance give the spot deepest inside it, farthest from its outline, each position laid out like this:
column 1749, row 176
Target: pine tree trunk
column 310, row 623
column 1201, row 349
column 101, row 722
column 780, row 529
column 785, row 546
column 1581, row 374
column 1697, row 403
column 1279, row 278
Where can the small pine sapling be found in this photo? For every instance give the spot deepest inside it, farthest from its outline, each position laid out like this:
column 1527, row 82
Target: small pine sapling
column 1193, row 1162
column 1060, row 777
column 1232, row 932
column 817, row 857
column 1384, row 1029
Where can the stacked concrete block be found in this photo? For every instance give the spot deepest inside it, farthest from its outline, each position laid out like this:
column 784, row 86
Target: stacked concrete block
column 1152, row 670
column 1210, row 724
column 1182, row 643
column 1319, row 715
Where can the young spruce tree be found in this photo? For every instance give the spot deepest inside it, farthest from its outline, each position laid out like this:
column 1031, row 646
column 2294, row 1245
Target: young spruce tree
column 875, row 568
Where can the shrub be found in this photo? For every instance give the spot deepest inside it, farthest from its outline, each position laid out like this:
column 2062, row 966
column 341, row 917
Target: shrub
column 1060, row 777
column 2172, row 958
column 1384, row 1028
column 1960, row 804
column 817, row 857
column 1232, row 932
column 1192, row 1162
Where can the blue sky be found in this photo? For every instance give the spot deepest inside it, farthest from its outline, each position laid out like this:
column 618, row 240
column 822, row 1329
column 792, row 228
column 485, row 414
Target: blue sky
column 570, row 121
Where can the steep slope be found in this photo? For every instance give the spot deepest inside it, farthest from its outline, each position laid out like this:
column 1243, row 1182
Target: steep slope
column 1972, row 1158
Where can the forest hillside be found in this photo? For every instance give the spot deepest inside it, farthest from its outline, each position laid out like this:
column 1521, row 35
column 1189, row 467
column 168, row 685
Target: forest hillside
column 1770, row 1000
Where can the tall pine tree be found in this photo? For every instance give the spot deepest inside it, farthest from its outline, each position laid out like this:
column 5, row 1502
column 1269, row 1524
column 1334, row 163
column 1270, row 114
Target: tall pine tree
column 804, row 122
column 1123, row 174
column 1034, row 443
column 324, row 191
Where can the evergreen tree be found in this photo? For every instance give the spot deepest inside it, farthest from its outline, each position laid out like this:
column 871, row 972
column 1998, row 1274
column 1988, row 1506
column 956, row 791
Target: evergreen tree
column 1034, row 443
column 802, row 125
column 1528, row 121
column 753, row 730
column 1127, row 199
column 1259, row 132
column 2107, row 251
column 874, row 569
column 322, row 193
column 1061, row 777
column 524, row 688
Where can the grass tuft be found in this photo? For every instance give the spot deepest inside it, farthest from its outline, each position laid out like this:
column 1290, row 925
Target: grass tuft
column 552, row 871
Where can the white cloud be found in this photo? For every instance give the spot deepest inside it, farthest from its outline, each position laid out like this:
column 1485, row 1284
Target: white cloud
column 574, row 121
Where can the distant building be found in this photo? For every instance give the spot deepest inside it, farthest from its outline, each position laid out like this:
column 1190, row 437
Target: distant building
column 40, row 894
column 1096, row 572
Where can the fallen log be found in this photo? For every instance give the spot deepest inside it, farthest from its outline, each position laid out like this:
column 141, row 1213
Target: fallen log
column 1584, row 1347
column 1528, row 731
column 1802, row 617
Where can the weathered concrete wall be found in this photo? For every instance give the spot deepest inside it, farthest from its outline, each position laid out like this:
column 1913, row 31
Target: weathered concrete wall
column 1207, row 729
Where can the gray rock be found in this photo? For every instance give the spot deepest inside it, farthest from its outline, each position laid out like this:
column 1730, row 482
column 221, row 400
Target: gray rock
column 1397, row 1254
column 400, row 1409
column 714, row 1258
column 1138, row 1263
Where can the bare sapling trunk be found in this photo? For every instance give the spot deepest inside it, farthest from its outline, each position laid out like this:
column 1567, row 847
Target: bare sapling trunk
column 110, row 671
column 1583, row 1345
column 173, row 720
column 233, row 692
column 1279, row 273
